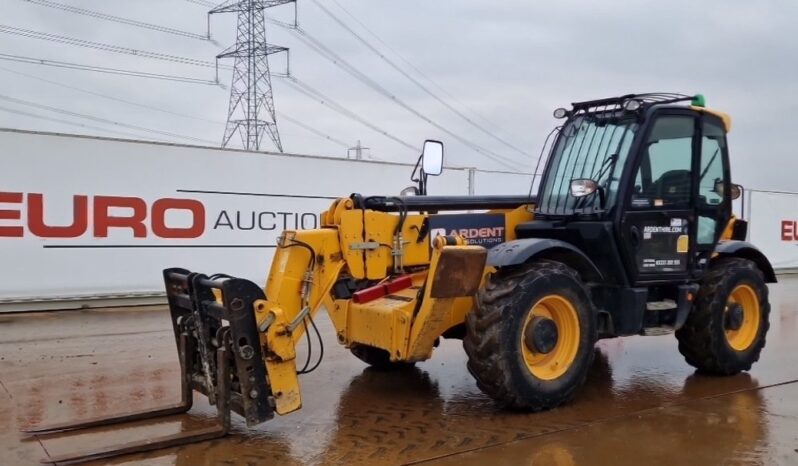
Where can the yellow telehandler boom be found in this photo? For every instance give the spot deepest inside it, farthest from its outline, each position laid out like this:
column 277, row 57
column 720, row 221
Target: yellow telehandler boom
column 390, row 288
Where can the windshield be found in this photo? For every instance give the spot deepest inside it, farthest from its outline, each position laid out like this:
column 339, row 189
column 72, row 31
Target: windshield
column 589, row 146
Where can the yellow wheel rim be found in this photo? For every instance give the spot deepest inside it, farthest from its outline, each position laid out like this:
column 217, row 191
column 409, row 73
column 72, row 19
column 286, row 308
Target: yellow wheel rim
column 556, row 362
column 742, row 338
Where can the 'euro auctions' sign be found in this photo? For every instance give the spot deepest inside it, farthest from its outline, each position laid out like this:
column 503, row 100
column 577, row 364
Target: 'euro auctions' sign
column 789, row 230
column 142, row 219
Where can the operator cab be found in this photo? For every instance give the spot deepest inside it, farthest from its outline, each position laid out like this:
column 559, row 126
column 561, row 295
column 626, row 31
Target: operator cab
column 633, row 234
column 640, row 183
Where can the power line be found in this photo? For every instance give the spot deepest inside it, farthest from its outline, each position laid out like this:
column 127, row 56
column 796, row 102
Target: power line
column 106, row 70
column 282, row 24
column 302, row 125
column 184, row 60
column 324, row 100
column 138, row 136
column 320, row 48
column 110, row 97
column 118, row 19
column 312, row 129
column 420, row 85
column 101, row 120
column 106, row 47
column 325, row 52
column 410, row 64
column 72, row 123
column 203, row 3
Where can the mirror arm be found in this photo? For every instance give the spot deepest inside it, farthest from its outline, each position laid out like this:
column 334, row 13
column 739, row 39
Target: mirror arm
column 422, row 183
column 416, row 169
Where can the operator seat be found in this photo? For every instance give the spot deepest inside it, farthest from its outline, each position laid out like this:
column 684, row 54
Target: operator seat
column 673, row 187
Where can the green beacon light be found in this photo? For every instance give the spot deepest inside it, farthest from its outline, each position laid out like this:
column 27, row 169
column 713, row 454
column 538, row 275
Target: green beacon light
column 699, row 100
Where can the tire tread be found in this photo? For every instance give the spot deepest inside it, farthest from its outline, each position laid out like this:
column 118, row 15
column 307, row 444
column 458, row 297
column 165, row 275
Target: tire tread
column 483, row 340
column 701, row 346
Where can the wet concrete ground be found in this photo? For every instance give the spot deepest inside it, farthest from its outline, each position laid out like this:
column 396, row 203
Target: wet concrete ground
column 642, row 403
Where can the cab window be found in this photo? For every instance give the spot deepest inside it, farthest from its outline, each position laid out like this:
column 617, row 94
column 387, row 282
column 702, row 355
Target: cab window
column 711, row 199
column 664, row 177
column 710, row 182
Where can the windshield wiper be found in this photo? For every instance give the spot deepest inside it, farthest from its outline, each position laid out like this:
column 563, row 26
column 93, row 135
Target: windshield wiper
column 607, row 166
column 706, row 169
column 608, row 163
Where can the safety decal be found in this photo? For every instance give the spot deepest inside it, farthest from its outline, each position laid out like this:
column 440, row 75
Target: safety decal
column 683, row 244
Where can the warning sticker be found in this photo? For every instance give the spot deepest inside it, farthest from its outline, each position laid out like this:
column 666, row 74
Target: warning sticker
column 683, row 244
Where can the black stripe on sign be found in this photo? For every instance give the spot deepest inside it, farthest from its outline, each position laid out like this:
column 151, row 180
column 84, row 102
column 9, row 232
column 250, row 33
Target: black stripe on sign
column 154, row 246
column 234, row 193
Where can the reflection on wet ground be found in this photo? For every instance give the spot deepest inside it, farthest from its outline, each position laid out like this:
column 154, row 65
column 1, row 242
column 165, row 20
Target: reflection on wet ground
column 641, row 405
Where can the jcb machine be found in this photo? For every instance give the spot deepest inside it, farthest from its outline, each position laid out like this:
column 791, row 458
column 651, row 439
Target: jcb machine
column 631, row 233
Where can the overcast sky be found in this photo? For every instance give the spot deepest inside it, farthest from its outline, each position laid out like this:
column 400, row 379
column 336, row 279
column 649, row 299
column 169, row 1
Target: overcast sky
column 506, row 65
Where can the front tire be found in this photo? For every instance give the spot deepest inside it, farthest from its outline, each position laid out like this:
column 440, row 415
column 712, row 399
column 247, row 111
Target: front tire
column 726, row 329
column 514, row 363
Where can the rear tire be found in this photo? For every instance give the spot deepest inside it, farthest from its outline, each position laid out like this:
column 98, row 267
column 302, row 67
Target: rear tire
column 503, row 363
column 708, row 340
column 378, row 358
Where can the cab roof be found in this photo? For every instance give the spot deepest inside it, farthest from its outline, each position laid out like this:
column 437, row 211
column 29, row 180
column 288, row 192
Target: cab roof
column 632, row 102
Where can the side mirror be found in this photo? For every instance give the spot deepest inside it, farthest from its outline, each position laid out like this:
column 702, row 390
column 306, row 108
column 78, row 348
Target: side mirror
column 582, row 187
column 409, row 191
column 432, row 157
column 736, row 191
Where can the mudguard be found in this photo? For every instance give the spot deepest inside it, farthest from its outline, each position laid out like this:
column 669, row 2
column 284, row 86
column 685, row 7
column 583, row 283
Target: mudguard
column 518, row 251
column 745, row 250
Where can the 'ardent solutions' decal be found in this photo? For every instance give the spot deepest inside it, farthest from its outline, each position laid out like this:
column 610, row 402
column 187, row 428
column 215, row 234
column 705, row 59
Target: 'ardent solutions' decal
column 486, row 230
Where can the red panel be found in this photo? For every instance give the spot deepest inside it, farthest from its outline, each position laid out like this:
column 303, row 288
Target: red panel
column 378, row 291
column 369, row 294
column 399, row 284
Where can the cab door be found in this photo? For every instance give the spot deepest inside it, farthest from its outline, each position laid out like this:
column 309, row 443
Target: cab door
column 713, row 204
column 657, row 227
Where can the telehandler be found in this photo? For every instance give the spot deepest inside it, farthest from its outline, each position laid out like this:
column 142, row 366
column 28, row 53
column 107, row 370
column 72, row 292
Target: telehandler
column 631, row 233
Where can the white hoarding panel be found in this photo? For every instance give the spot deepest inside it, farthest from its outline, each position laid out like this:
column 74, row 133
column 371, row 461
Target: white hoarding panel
column 86, row 216
column 489, row 182
column 773, row 226
column 97, row 217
